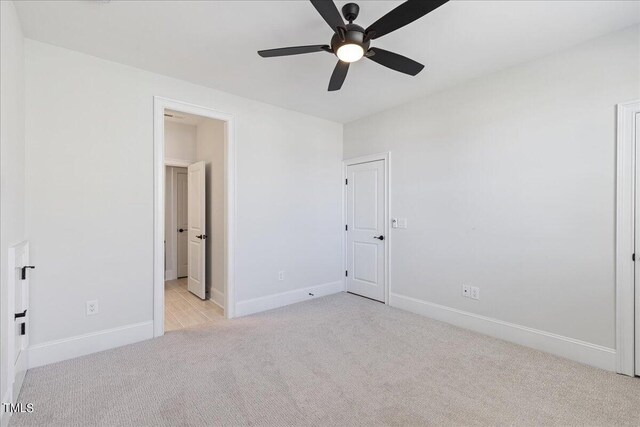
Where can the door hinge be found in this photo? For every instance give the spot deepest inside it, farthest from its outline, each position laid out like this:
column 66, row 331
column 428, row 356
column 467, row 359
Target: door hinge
column 346, row 182
column 23, row 328
column 346, row 227
column 633, row 257
column 23, row 274
column 346, row 273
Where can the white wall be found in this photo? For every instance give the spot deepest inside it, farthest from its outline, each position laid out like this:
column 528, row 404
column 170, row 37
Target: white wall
column 12, row 169
column 179, row 141
column 508, row 184
column 90, row 191
column 210, row 148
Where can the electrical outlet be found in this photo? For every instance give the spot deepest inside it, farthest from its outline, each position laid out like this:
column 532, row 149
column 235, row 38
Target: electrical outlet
column 92, row 307
column 475, row 292
column 280, row 275
column 466, row 291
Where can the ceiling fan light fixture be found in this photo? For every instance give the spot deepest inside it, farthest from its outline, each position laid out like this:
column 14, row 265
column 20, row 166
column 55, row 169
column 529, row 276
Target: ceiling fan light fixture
column 350, row 52
column 350, row 42
column 349, row 46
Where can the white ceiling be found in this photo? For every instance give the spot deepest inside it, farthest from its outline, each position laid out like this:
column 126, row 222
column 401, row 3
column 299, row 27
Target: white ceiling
column 214, row 43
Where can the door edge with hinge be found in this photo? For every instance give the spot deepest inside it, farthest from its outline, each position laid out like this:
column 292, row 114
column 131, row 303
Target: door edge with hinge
column 17, row 363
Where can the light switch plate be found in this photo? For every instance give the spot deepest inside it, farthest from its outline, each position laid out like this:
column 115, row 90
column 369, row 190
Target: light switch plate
column 475, row 292
column 402, row 222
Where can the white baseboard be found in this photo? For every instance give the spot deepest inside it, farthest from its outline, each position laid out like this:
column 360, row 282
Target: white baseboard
column 580, row 351
column 256, row 305
column 81, row 345
column 217, row 297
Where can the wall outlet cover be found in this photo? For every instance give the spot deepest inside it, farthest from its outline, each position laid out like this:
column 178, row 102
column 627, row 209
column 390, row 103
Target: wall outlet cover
column 92, row 307
column 466, row 291
column 475, row 292
column 280, row 275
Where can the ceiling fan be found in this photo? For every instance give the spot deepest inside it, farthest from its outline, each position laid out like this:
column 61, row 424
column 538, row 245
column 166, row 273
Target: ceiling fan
column 351, row 42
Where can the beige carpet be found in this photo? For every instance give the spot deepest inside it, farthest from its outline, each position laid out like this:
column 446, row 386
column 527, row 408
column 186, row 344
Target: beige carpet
column 335, row 361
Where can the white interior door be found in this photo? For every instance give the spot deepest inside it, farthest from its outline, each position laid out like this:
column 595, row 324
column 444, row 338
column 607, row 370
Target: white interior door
column 365, row 229
column 637, row 238
column 197, row 229
column 182, row 222
column 18, row 296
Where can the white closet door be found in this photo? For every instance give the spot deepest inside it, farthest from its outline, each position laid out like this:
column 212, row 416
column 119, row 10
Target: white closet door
column 365, row 229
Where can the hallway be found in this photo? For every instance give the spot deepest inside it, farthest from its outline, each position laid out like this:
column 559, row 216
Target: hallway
column 182, row 309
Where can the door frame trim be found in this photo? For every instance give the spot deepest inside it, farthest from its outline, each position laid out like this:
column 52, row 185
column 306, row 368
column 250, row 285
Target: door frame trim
column 177, row 163
column 625, row 237
column 386, row 157
column 159, row 105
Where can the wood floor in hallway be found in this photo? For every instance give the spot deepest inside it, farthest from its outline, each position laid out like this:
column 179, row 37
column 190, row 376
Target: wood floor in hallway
column 182, row 309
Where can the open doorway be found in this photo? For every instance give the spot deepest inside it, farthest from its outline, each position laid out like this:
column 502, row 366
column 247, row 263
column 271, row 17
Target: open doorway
column 194, row 284
column 176, row 259
column 195, row 237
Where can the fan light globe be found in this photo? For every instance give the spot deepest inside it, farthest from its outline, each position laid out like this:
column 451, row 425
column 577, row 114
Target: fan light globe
column 350, row 52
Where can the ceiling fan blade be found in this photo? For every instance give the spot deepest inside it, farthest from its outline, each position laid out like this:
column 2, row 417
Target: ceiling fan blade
column 295, row 50
column 338, row 75
column 395, row 61
column 329, row 12
column 402, row 15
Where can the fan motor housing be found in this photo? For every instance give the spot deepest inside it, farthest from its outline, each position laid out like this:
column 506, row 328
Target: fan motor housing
column 353, row 35
column 350, row 12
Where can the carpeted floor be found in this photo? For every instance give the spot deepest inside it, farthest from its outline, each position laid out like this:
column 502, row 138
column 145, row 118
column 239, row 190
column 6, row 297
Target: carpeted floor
column 335, row 361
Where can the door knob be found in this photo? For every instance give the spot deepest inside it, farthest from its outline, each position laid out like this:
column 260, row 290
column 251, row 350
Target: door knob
column 201, row 236
column 181, row 230
column 379, row 237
